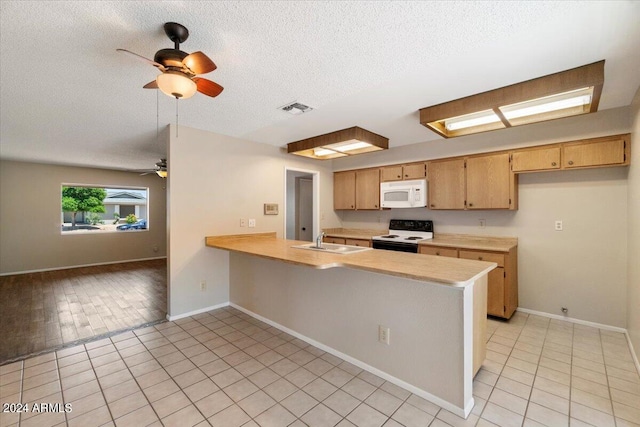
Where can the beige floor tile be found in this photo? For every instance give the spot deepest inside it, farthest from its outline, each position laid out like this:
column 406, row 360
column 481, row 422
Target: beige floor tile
column 97, row 417
column 152, row 378
column 256, row 403
column 423, row 405
column 591, row 400
column 39, row 380
column 501, row 416
column 226, row 378
column 450, row 419
column 201, row 389
column 518, row 375
column 553, row 375
column 192, row 376
column 77, row 379
column 241, row 389
column 628, row 413
column 276, row 416
column 300, row 377
column 320, row 415
column 105, row 359
column 591, row 416
column 486, row 377
column 319, row 389
column 590, row 387
column 37, row 393
column 484, row 391
column 550, row 401
column 410, row 416
column 395, row 390
column 513, row 387
column 127, row 404
column 86, row 404
column 280, row 389
column 509, row 401
column 341, row 402
column 233, row 416
column 546, row 416
column 160, row 390
column 383, row 402
column 620, row 384
column 299, row 403
column 625, row 398
column 213, row 403
column 170, row 404
column 73, row 358
column 552, row 387
column 114, row 379
column 75, row 393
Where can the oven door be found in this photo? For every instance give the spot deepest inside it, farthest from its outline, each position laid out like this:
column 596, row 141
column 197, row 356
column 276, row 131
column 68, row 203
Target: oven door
column 395, row 246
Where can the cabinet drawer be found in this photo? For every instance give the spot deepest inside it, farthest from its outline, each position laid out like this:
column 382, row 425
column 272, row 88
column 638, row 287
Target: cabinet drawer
column 359, row 242
column 438, row 251
column 338, row 240
column 483, row 256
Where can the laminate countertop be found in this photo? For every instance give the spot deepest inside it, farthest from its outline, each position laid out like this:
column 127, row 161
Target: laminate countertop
column 444, row 270
column 446, row 240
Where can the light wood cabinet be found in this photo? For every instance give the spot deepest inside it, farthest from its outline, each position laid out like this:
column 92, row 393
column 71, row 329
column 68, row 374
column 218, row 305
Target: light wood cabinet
column 358, row 189
column 438, row 251
column 344, row 190
column 488, row 182
column 596, row 152
column 536, row 159
column 502, row 292
column 359, row 242
column 368, row 189
column 446, row 184
column 336, row 240
column 402, row 172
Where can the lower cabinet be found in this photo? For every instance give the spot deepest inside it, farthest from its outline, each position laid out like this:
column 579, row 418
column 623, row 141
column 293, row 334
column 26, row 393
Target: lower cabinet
column 502, row 292
column 337, row 240
column 366, row 243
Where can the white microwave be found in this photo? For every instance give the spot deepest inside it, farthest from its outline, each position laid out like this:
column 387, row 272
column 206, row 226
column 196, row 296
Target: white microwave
column 404, row 194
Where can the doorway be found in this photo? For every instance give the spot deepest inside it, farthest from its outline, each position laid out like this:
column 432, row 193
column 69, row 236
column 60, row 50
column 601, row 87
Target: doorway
column 301, row 204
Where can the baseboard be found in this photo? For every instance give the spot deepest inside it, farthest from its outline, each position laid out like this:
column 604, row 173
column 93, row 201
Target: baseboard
column 461, row 412
column 592, row 324
column 194, row 312
column 69, row 267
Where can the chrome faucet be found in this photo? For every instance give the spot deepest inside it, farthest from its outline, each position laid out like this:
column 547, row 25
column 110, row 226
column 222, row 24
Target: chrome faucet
column 319, row 240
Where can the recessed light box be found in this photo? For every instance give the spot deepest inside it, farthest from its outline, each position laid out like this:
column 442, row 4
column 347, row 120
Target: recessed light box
column 564, row 94
column 346, row 142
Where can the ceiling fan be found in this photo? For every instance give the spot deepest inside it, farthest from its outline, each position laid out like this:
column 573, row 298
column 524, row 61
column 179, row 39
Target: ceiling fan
column 160, row 170
column 179, row 77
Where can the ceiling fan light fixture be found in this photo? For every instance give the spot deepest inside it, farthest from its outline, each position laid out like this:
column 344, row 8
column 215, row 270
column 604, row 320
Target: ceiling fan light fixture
column 176, row 84
column 162, row 173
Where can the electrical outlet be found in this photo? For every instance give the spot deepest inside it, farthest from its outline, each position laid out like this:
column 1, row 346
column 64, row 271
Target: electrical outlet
column 203, row 285
column 483, row 223
column 384, row 334
column 558, row 225
column 243, row 222
column 252, row 223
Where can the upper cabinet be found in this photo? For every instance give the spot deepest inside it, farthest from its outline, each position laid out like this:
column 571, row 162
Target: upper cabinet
column 446, row 184
column 536, row 159
column 596, row 152
column 344, row 190
column 401, row 172
column 478, row 182
column 368, row 189
column 356, row 189
column 489, row 182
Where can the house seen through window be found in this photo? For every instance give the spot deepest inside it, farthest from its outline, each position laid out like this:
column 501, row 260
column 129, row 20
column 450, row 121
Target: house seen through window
column 104, row 209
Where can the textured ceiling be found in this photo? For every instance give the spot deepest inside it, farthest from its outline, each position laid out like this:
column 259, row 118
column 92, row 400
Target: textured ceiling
column 67, row 96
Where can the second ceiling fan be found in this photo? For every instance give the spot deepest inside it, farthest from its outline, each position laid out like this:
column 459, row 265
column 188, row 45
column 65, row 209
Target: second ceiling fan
column 179, row 77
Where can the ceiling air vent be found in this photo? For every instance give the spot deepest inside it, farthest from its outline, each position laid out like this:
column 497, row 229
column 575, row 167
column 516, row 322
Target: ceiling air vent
column 295, row 108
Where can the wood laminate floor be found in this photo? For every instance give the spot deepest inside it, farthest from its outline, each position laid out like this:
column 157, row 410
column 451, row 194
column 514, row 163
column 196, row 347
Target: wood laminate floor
column 48, row 310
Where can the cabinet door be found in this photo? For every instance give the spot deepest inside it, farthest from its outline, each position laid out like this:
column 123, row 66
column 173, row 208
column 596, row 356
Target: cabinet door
column 359, row 242
column 391, row 173
column 597, row 153
column 344, row 190
column 368, row 189
column 438, row 251
column 446, row 184
column 488, row 182
column 495, row 292
column 536, row 159
column 414, row 171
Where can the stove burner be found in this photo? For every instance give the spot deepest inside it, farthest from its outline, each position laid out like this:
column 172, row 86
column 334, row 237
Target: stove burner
column 390, row 236
column 414, row 238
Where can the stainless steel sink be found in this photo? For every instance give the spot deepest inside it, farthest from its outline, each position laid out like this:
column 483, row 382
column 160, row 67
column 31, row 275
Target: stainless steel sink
column 333, row 248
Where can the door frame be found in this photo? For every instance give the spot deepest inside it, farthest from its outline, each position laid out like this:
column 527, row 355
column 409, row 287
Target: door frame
column 315, row 177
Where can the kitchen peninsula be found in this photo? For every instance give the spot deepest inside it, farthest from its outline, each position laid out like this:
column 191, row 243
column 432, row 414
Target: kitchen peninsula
column 434, row 307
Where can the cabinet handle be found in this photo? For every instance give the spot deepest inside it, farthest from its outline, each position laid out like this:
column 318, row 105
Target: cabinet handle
column 375, row 206
column 398, row 176
column 433, row 206
column 351, row 206
column 553, row 163
column 470, row 204
column 406, row 176
column 480, row 258
column 437, row 253
column 570, row 162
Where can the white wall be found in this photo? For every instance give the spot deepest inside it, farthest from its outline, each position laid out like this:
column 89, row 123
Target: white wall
column 214, row 180
column 633, row 289
column 583, row 267
column 30, row 218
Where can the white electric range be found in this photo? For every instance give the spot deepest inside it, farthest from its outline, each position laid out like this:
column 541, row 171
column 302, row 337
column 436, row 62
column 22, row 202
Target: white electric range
column 404, row 235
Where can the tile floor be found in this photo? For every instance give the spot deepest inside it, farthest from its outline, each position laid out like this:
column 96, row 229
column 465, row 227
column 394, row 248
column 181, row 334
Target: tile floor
column 225, row 368
column 50, row 309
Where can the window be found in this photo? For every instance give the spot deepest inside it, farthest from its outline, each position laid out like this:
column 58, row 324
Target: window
column 93, row 209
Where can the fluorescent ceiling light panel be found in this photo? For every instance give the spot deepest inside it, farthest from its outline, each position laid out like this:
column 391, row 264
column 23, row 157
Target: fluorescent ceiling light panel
column 470, row 120
column 562, row 101
column 564, row 94
column 346, row 142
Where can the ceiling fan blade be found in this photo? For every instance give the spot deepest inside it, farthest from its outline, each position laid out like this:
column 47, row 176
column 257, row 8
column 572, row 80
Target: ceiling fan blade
column 151, row 85
column 154, row 63
column 199, row 63
column 208, row 87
